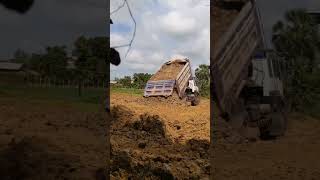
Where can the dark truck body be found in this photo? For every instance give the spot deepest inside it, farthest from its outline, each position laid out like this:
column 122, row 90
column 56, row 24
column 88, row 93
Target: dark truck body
column 232, row 55
column 237, row 37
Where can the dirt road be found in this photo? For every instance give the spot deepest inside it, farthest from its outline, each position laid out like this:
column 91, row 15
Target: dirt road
column 294, row 156
column 50, row 140
column 154, row 138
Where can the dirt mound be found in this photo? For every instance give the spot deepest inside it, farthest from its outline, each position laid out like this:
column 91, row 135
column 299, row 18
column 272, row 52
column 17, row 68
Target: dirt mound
column 124, row 166
column 174, row 99
column 29, row 158
column 168, row 71
column 151, row 124
column 140, row 149
column 120, row 112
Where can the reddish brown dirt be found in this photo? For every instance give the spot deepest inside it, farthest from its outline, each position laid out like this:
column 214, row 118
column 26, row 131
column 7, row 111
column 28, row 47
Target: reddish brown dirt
column 159, row 139
column 168, row 71
column 41, row 140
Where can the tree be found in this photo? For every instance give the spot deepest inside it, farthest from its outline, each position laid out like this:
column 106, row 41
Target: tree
column 125, row 81
column 296, row 40
column 140, row 80
column 203, row 79
column 91, row 55
column 55, row 61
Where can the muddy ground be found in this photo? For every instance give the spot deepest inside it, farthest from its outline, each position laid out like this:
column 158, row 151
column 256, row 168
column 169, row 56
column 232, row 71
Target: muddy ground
column 175, row 142
column 158, row 138
column 46, row 140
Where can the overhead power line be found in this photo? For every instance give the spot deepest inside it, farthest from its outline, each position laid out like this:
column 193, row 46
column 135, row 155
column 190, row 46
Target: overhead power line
column 135, row 25
column 125, row 2
column 118, row 8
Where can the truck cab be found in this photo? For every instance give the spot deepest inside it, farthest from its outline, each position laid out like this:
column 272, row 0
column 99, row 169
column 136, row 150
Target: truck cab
column 267, row 72
column 192, row 93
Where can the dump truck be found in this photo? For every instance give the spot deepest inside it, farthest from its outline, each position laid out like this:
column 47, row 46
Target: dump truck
column 244, row 82
column 174, row 76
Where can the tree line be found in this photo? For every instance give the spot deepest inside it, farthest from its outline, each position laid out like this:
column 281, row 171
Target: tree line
column 139, row 80
column 88, row 61
column 296, row 40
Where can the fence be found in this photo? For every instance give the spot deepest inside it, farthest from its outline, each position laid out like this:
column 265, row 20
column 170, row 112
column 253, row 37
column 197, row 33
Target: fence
column 53, row 82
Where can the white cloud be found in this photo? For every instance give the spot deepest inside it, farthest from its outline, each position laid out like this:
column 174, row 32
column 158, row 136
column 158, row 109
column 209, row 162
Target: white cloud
column 165, row 29
column 177, row 24
column 117, row 39
column 135, row 56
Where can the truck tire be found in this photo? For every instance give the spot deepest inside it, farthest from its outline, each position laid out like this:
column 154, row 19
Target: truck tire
column 195, row 101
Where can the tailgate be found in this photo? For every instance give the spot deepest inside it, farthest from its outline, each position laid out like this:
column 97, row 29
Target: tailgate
column 159, row 88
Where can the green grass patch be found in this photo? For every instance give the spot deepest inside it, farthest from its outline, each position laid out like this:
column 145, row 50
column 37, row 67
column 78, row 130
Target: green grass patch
column 91, row 99
column 131, row 91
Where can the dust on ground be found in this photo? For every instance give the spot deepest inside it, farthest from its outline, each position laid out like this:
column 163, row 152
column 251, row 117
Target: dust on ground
column 168, row 71
column 293, row 156
column 40, row 140
column 158, row 138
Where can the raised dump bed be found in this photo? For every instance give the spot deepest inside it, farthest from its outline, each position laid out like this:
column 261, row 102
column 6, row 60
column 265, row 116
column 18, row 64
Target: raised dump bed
column 235, row 40
column 172, row 75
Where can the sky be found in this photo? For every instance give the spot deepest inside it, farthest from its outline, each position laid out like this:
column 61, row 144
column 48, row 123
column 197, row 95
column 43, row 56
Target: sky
column 165, row 29
column 51, row 22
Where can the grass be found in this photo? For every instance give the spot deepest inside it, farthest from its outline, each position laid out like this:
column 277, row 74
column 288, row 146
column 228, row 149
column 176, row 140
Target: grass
column 132, row 91
column 91, row 99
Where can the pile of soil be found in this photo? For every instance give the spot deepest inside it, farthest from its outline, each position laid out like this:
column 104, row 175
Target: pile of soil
column 182, row 121
column 174, row 99
column 140, row 149
column 168, row 71
column 153, row 139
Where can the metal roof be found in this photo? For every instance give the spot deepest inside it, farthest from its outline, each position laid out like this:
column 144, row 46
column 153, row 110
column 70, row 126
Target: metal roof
column 10, row 66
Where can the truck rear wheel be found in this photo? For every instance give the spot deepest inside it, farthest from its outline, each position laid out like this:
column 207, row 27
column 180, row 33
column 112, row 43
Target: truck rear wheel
column 195, row 101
